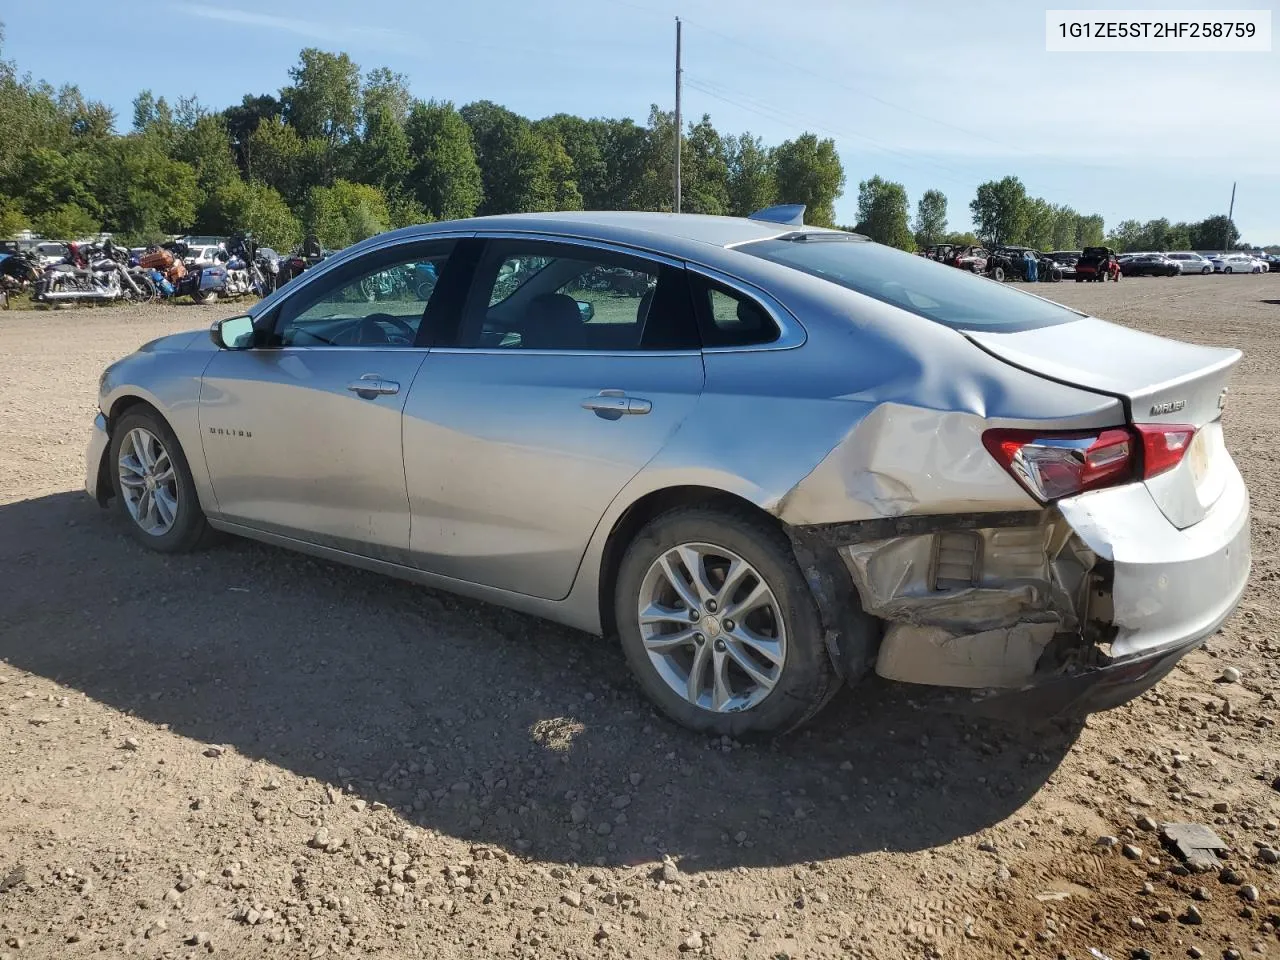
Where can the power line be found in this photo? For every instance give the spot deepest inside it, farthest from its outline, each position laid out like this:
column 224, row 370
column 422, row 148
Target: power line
column 788, row 118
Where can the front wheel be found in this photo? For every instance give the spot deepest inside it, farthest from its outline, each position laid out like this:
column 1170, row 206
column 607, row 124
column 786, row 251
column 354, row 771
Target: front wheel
column 998, row 274
column 1226, row 270
column 1205, row 270
column 719, row 626
column 153, row 484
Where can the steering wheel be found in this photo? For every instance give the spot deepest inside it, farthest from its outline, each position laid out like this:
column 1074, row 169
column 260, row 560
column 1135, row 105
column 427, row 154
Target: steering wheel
column 405, row 339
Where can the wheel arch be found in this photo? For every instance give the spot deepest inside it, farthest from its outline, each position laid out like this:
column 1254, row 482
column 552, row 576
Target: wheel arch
column 118, row 409
column 645, row 508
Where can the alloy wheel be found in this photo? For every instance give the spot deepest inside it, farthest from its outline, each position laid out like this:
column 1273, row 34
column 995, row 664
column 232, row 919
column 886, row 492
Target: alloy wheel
column 148, row 482
column 712, row 627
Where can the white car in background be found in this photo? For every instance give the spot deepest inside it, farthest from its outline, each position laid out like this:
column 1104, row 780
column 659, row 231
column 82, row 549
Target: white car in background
column 1235, row 263
column 1190, row 262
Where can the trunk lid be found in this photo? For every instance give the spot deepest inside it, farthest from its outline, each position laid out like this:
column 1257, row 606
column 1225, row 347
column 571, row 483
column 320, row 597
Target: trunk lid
column 1161, row 381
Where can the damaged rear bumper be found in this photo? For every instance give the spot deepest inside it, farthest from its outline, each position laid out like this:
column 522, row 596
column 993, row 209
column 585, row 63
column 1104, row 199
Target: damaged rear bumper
column 1074, row 608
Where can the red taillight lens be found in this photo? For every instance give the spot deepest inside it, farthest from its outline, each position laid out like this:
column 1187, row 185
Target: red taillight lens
column 1163, row 446
column 1055, row 465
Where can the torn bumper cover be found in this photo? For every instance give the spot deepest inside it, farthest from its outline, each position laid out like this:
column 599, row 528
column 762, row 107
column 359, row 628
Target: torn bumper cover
column 1074, row 608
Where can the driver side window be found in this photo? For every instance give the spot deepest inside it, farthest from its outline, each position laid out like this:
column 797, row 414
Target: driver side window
column 378, row 300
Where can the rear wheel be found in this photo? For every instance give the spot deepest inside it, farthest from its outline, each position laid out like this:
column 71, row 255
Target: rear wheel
column 1226, row 270
column 153, row 485
column 1205, row 270
column 204, row 296
column 998, row 274
column 719, row 626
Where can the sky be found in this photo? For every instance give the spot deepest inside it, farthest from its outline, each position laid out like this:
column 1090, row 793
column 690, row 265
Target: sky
column 931, row 94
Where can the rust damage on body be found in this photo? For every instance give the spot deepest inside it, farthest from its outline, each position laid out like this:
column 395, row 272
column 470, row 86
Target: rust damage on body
column 984, row 601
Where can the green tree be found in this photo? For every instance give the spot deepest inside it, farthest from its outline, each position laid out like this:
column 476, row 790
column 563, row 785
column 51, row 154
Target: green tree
column 68, row 221
column 1000, row 211
column 243, row 120
column 1215, row 233
column 445, row 177
column 882, row 213
column 385, row 89
column 254, row 207
column 324, row 100
column 1042, row 217
column 142, row 191
column 515, row 162
column 752, row 185
column 346, row 213
column 583, row 141
column 12, row 218
column 285, row 161
column 1064, row 229
column 704, row 170
column 385, row 159
column 1089, row 231
column 808, row 171
column 931, row 217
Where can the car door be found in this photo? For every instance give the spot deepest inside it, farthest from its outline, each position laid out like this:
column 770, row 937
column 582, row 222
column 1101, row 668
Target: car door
column 302, row 432
column 574, row 365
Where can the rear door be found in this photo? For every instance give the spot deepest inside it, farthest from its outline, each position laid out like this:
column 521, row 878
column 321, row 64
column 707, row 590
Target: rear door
column 574, row 366
column 1162, row 381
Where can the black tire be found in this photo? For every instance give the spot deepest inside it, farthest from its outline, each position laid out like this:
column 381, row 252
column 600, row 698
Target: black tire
column 997, row 274
column 1226, row 269
column 1205, row 270
column 147, row 290
column 808, row 678
column 189, row 526
column 204, row 296
column 1079, row 279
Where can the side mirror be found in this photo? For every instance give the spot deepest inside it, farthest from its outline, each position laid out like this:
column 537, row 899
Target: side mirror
column 586, row 308
column 234, row 333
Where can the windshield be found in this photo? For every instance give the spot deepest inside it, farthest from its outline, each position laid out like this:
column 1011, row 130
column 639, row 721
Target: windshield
column 946, row 295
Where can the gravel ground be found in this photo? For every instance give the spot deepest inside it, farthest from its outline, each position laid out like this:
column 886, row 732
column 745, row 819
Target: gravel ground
column 251, row 753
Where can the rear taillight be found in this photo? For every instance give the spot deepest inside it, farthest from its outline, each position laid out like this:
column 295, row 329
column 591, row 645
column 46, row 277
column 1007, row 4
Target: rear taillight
column 1056, row 465
column 1163, row 446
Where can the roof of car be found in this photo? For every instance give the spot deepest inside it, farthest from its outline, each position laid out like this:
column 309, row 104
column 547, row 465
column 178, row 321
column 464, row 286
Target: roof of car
column 635, row 227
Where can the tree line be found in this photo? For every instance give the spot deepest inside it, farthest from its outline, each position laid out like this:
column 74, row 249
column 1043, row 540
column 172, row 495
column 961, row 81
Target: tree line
column 345, row 153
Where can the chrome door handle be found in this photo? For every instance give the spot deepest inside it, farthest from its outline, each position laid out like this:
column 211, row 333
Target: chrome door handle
column 612, row 404
column 372, row 385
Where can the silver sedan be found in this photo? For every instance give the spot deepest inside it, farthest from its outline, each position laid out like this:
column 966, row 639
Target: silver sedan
column 768, row 458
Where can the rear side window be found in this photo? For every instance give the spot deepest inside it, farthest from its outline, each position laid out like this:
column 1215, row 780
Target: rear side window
column 729, row 318
column 944, row 294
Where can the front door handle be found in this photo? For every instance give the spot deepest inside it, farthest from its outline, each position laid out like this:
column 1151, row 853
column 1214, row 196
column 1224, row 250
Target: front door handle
column 372, row 385
column 612, row 404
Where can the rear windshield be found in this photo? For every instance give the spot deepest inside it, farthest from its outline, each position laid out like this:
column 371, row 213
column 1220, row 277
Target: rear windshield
column 944, row 294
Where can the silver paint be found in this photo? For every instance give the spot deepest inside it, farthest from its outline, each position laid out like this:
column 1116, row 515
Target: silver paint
column 483, row 474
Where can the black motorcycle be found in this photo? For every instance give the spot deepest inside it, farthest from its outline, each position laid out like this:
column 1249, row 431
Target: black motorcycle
column 18, row 272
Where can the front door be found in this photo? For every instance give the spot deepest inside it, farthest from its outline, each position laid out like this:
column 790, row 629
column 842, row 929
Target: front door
column 302, row 434
column 574, row 367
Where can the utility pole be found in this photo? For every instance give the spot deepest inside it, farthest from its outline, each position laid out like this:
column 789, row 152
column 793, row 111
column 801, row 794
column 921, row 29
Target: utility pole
column 679, row 131
column 1226, row 231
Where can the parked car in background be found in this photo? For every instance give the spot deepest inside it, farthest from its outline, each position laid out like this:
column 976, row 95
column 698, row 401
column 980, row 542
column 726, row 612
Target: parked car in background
column 1235, row 263
column 1262, row 262
column 1189, row 262
column 1066, row 261
column 544, row 428
column 51, row 252
column 1148, row 265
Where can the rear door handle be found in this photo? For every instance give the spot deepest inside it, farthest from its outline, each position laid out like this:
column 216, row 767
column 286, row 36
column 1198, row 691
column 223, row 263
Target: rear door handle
column 372, row 385
column 612, row 404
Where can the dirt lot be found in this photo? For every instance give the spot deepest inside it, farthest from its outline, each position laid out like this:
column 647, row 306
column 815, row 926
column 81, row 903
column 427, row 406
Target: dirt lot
column 252, row 753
